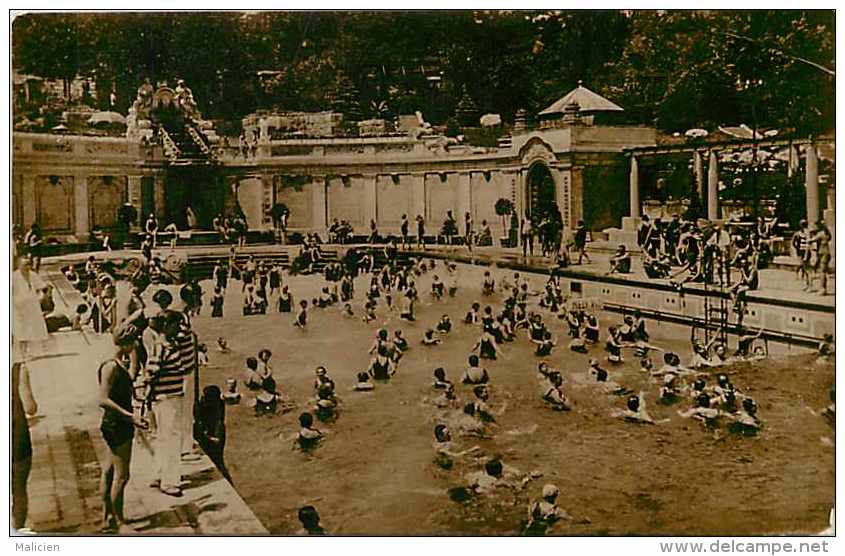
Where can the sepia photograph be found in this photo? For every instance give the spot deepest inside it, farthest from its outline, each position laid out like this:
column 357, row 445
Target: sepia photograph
column 438, row 273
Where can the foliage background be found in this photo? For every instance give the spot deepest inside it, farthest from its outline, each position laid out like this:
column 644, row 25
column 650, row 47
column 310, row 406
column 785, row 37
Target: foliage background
column 673, row 69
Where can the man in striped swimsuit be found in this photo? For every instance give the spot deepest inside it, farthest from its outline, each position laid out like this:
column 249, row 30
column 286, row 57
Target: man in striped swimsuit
column 166, row 371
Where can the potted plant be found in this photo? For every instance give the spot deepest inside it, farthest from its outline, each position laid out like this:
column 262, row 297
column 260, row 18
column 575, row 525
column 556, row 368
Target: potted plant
column 504, row 207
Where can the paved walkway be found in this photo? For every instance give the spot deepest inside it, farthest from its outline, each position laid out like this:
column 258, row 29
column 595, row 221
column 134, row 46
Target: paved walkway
column 68, row 450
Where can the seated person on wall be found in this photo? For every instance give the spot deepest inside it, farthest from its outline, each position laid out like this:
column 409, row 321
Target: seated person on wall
column 621, row 261
column 656, row 266
column 485, row 237
column 344, row 231
column 334, row 231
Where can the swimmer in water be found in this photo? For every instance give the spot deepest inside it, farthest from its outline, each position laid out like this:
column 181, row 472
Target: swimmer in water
column 635, row 410
column 363, row 384
column 429, row 339
column 475, row 374
column 444, row 326
column 544, row 513
column 446, row 454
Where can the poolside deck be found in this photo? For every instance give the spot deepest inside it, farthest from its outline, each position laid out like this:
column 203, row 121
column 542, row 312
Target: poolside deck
column 68, row 451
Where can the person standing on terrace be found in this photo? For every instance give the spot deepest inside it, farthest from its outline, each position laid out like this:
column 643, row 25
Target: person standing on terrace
column 151, row 227
column 820, row 242
column 420, row 232
column 403, row 230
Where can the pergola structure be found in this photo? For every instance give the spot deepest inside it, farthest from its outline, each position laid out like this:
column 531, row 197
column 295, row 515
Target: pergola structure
column 699, row 150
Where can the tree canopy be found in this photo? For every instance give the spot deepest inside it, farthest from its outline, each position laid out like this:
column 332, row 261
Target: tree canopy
column 675, row 69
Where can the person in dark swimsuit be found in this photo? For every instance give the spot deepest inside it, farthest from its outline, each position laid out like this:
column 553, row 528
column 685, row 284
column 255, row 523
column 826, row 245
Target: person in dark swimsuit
column 302, row 315
column 381, row 367
column 220, row 275
column 210, row 427
column 118, row 428
column 347, row 288
column 308, row 437
column 486, row 346
column 445, row 325
column 592, row 330
column 285, row 301
column 488, row 285
column 23, row 404
column 217, row 303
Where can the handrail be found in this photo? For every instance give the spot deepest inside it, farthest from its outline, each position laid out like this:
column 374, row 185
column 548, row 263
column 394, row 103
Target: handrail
column 170, row 149
column 198, row 139
column 699, row 322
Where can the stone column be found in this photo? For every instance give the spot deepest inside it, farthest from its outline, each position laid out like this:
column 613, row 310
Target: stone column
column 267, row 200
column 134, row 194
column 812, row 183
column 29, row 201
column 318, row 204
column 698, row 170
column 713, row 187
column 417, row 199
column 577, row 195
column 80, row 203
column 519, row 194
column 159, row 199
column 634, row 185
column 370, row 211
column 563, row 183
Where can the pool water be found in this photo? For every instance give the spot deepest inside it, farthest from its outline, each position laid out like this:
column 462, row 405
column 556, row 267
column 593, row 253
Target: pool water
column 375, row 472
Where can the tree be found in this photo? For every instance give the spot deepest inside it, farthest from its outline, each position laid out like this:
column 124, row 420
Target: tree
column 689, row 68
column 503, row 208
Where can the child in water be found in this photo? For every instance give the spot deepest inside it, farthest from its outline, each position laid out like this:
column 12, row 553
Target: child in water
column 429, row 339
column 301, row 315
column 488, row 285
column 440, row 380
column 545, row 346
column 437, row 288
column 363, row 384
column 635, row 411
column 473, row 316
column 444, row 326
column 475, row 374
column 308, row 437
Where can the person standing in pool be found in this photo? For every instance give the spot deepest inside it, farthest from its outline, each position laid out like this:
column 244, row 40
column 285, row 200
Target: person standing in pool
column 302, row 315
column 486, row 345
column 217, row 303
column 475, row 374
column 275, row 280
column 382, row 366
column 285, row 302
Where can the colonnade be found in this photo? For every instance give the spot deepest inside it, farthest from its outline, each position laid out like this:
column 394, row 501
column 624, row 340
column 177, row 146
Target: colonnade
column 811, row 180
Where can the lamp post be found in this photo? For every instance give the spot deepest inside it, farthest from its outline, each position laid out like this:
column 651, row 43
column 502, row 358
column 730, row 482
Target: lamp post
column 753, row 85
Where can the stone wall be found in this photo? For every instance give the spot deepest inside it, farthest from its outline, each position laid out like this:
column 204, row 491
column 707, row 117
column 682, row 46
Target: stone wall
column 356, row 180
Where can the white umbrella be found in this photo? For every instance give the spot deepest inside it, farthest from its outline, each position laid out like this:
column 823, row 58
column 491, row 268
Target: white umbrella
column 490, row 120
column 696, row 132
column 106, row 118
column 25, row 123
